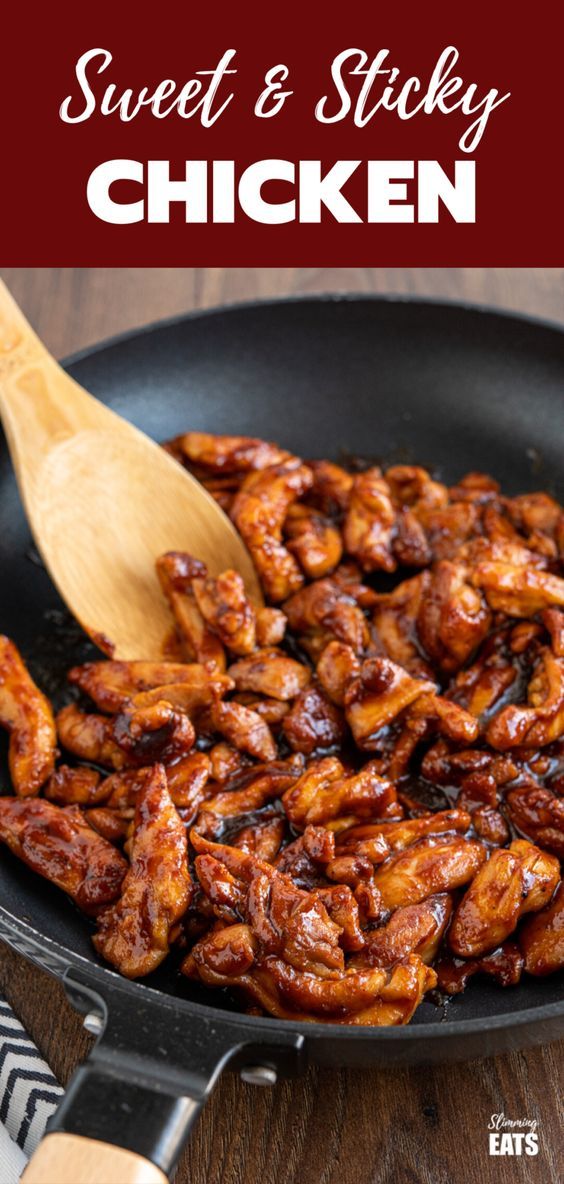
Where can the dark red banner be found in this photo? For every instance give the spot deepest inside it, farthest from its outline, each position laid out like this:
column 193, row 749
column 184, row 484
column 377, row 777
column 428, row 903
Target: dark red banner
column 413, row 134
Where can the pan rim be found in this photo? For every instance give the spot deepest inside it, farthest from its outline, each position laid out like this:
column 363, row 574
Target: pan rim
column 325, row 298
column 104, row 976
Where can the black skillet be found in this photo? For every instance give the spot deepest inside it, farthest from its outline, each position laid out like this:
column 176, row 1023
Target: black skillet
column 453, row 387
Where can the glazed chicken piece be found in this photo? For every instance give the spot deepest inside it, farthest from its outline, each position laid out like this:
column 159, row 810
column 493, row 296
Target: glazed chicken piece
column 446, row 717
column 305, row 858
column 187, row 780
column 490, row 826
column 448, row 528
column 395, row 624
column 541, row 937
column 262, row 839
column 254, row 788
column 542, row 720
column 270, row 626
column 396, row 745
column 553, row 621
column 539, row 815
column 504, row 965
column 428, row 868
column 325, row 793
column 415, row 929
column 59, row 845
column 155, row 732
column 270, row 672
column 244, row 729
column 541, row 874
column 313, row 722
column 427, row 528
column 127, row 740
column 112, row 685
column 191, row 699
column 341, row 904
column 227, row 610
column 481, row 687
column 80, row 786
column 177, row 571
column 491, row 908
column 229, row 454
column 475, row 487
column 331, row 487
column 402, row 834
column 442, row 765
column 324, row 611
column 517, row 591
column 113, row 825
column 369, row 525
column 514, row 881
column 366, row 997
column 134, row 933
column 348, row 578
column 259, row 511
column 535, row 514
column 90, row 737
column 453, row 617
column 272, row 711
column 314, row 540
column 411, row 485
column 377, row 696
column 227, row 761
column 304, row 796
column 27, row 715
column 351, row 869
column 410, row 545
column 336, row 668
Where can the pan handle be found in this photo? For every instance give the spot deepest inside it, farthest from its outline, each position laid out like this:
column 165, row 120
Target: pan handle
column 130, row 1107
column 72, row 1159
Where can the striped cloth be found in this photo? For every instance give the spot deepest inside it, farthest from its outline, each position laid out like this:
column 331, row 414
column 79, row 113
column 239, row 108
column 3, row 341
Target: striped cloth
column 29, row 1094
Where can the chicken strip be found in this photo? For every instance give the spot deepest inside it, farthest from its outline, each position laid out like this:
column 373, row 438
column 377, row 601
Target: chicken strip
column 176, row 571
column 377, row 696
column 134, row 933
column 430, row 867
column 59, row 845
column 229, row 454
column 112, row 685
column 27, row 715
column 541, row 937
column 324, row 793
column 513, row 881
column 414, row 929
column 270, row 672
column 370, row 522
column 259, row 511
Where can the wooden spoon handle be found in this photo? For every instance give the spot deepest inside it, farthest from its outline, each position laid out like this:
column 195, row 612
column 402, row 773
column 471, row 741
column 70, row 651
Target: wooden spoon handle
column 39, row 402
column 19, row 345
column 72, row 1159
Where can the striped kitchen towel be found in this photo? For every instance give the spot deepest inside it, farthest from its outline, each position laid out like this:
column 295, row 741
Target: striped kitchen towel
column 29, row 1094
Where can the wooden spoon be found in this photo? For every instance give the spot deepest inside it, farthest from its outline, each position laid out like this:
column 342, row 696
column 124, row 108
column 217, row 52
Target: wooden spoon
column 102, row 499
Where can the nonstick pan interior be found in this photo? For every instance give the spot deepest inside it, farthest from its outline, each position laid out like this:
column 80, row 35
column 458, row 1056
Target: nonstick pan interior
column 450, row 387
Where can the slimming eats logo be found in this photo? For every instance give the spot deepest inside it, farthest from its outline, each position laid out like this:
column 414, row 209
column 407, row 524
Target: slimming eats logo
column 513, row 1136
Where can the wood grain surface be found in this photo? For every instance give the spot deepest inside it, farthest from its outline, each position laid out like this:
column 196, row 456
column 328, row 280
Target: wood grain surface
column 410, row 1126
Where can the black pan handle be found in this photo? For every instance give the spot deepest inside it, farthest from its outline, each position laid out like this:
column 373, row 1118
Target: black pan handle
column 145, row 1082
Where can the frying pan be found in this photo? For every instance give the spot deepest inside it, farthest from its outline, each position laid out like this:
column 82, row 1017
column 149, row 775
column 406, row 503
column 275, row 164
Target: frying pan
column 453, row 387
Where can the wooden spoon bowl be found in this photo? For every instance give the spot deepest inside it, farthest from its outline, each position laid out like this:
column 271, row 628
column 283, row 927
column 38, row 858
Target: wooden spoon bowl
column 103, row 500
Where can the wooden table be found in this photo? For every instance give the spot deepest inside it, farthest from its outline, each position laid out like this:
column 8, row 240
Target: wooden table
column 394, row 1127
